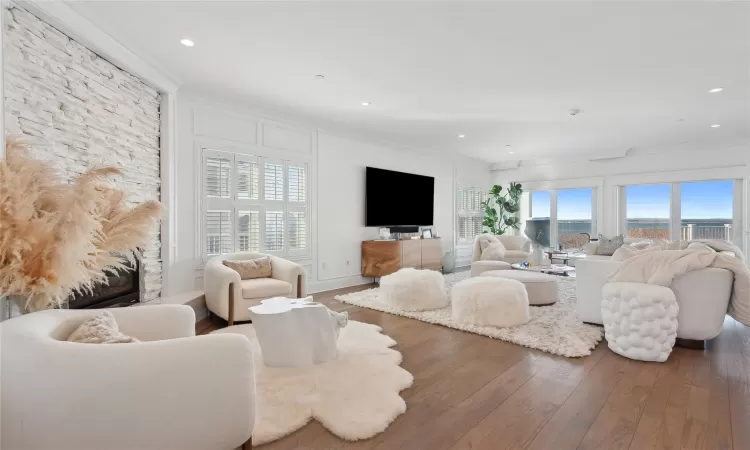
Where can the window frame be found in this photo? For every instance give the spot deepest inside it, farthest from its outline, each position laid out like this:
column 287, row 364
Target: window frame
column 235, row 204
column 554, row 206
column 675, row 205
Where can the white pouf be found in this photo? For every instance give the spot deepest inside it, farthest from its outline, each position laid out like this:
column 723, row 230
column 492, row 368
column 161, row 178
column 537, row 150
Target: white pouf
column 489, row 301
column 640, row 320
column 540, row 287
column 414, row 290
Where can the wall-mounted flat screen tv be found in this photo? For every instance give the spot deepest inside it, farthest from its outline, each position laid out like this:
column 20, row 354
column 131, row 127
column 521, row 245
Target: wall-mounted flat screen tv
column 398, row 198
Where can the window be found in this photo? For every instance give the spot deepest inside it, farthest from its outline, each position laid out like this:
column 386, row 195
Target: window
column 537, row 228
column 647, row 209
column 682, row 211
column 559, row 218
column 574, row 217
column 253, row 203
column 470, row 213
column 706, row 209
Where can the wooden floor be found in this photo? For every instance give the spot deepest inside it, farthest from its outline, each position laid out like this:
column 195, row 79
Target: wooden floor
column 473, row 392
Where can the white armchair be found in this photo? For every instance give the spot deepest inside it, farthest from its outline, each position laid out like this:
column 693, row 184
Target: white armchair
column 172, row 391
column 229, row 297
column 517, row 249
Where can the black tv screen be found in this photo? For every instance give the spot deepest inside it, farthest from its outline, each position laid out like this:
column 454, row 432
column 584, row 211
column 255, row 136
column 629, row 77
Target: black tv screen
column 398, row 198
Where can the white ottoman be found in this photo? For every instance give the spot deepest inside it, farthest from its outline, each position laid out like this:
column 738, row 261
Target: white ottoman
column 414, row 290
column 541, row 288
column 479, row 267
column 640, row 320
column 489, row 301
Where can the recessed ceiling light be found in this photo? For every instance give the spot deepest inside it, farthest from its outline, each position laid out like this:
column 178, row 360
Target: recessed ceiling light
column 714, row 90
column 187, row 42
column 507, row 145
column 461, row 136
column 716, row 125
column 511, row 152
column 365, row 103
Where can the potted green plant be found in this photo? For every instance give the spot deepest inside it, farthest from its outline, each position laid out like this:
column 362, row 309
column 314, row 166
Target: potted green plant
column 500, row 209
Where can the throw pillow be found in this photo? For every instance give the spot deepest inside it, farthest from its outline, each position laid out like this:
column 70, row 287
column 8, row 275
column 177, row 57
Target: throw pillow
column 251, row 268
column 493, row 252
column 485, row 240
column 100, row 329
column 607, row 247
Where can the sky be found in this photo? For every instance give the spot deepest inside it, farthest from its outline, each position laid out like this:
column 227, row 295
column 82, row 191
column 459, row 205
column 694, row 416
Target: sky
column 699, row 200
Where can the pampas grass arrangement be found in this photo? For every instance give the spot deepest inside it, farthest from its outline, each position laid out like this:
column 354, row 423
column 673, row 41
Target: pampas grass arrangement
column 57, row 238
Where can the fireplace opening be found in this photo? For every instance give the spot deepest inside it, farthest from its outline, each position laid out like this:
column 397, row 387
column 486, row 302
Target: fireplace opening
column 123, row 289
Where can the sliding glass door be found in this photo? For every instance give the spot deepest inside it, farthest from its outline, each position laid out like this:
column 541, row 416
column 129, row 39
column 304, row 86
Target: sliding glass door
column 559, row 218
column 648, row 211
column 537, row 226
column 574, row 217
column 706, row 210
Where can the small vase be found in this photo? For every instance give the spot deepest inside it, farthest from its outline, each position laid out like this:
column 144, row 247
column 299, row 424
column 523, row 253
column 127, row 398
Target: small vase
column 449, row 262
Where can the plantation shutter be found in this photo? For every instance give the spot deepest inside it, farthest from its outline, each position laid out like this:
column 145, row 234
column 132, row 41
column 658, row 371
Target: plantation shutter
column 248, row 178
column 297, row 213
column 218, row 232
column 297, row 183
column 248, row 231
column 273, row 181
column 254, row 203
column 274, row 231
column 297, row 230
column 217, row 176
column 470, row 213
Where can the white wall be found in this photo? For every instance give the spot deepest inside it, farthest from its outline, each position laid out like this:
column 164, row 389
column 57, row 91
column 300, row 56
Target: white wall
column 636, row 168
column 337, row 186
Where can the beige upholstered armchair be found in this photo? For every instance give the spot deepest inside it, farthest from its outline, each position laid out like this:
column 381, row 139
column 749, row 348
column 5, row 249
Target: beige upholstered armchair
column 517, row 249
column 228, row 296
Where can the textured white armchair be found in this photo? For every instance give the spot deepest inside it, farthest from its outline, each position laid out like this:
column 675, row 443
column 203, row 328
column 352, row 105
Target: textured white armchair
column 229, row 297
column 174, row 391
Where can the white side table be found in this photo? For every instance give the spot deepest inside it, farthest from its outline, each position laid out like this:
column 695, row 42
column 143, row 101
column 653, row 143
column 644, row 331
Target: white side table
column 295, row 332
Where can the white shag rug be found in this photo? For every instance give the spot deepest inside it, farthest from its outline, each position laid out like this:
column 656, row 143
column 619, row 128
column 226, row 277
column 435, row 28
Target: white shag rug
column 355, row 396
column 553, row 329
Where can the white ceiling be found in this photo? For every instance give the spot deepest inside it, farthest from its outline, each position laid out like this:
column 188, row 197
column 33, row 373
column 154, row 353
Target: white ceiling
column 502, row 73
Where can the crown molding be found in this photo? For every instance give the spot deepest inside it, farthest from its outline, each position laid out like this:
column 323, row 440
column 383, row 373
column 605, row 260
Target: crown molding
column 76, row 26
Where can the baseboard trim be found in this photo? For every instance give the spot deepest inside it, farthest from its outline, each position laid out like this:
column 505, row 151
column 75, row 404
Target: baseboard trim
column 336, row 283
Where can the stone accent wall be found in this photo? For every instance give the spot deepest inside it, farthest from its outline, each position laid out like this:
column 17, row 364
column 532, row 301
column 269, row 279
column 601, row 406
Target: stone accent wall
column 84, row 111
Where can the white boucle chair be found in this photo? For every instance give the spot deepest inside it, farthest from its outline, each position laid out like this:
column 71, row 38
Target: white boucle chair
column 172, row 391
column 414, row 290
column 229, row 297
column 489, row 301
column 517, row 249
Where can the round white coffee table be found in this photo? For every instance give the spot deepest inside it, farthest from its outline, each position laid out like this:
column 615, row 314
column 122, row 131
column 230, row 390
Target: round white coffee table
column 295, row 332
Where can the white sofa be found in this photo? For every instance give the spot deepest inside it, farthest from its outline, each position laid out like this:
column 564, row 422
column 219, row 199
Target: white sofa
column 229, row 297
column 517, row 249
column 172, row 391
column 703, row 296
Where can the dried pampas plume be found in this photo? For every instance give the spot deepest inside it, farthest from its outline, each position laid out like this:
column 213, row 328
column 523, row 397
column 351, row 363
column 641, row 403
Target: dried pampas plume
column 57, row 238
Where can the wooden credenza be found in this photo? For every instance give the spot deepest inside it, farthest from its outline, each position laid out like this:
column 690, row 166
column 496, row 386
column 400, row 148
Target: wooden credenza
column 381, row 258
